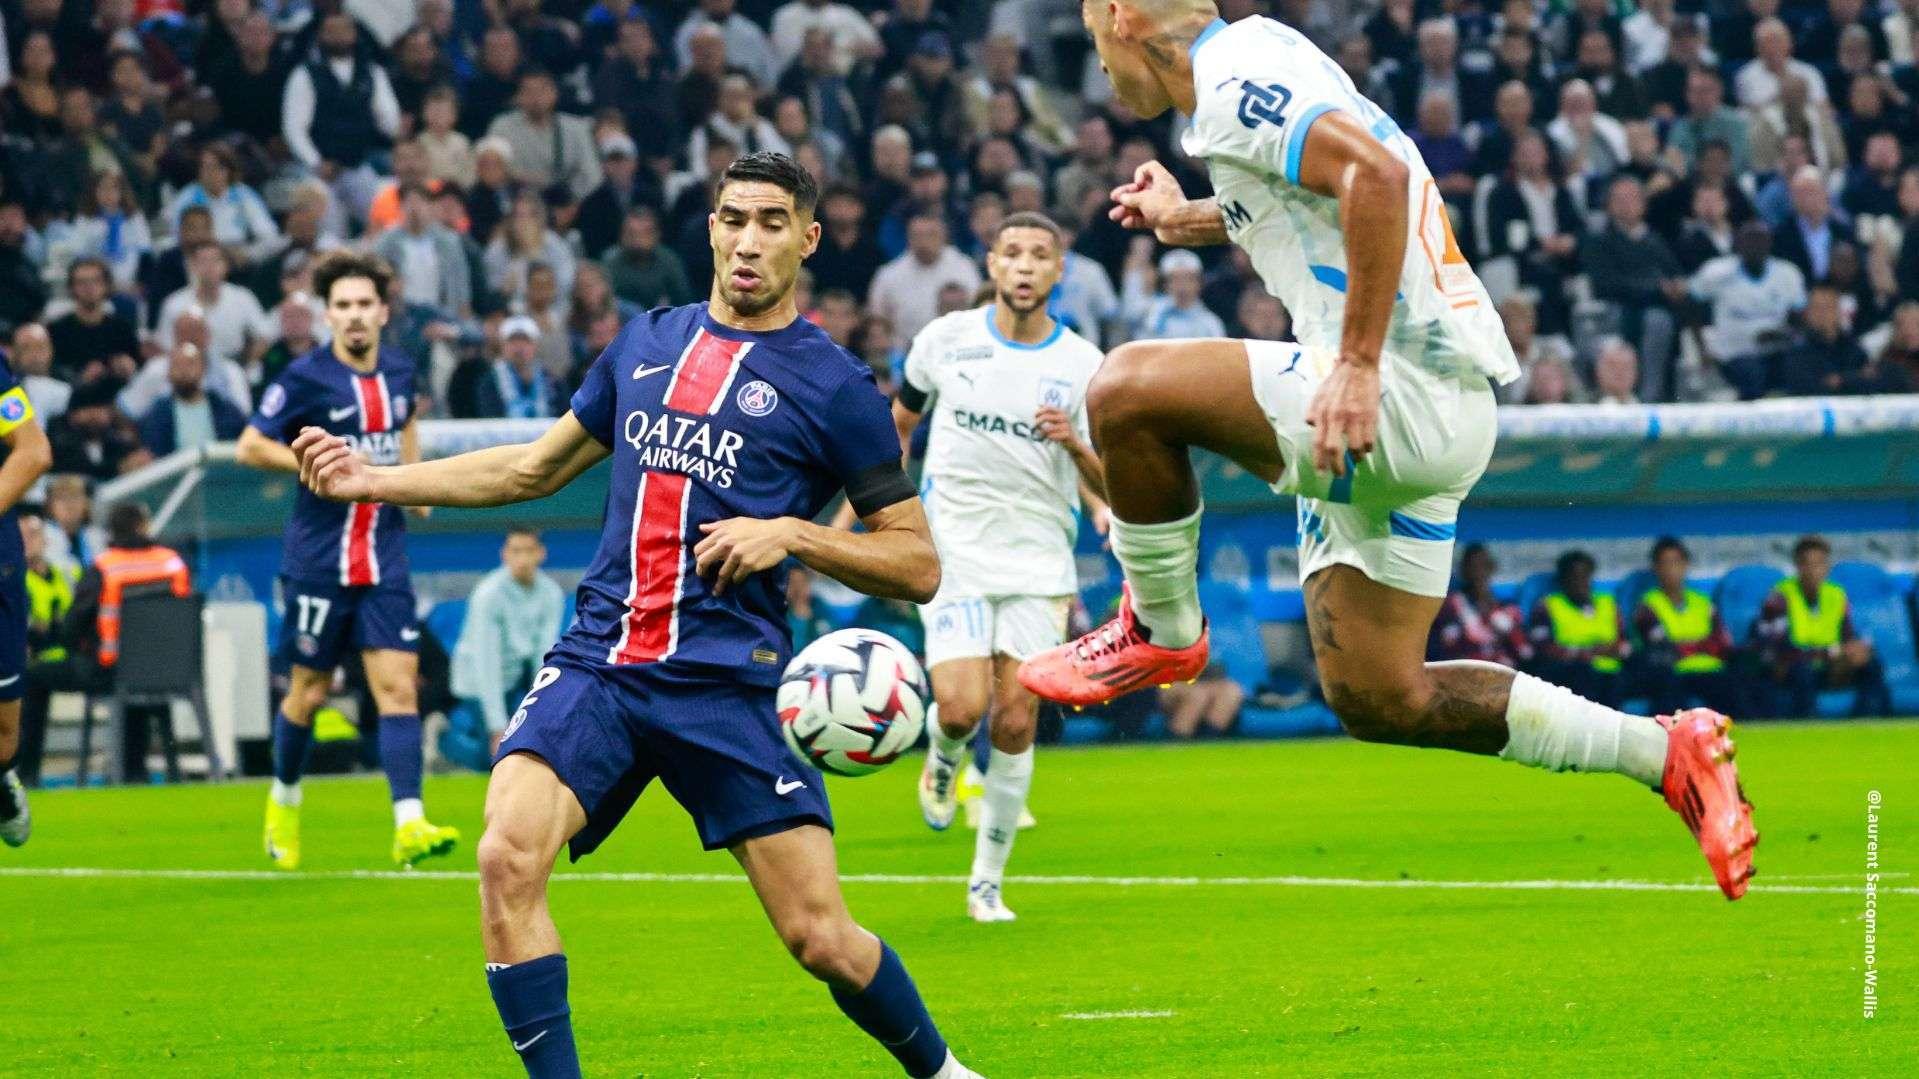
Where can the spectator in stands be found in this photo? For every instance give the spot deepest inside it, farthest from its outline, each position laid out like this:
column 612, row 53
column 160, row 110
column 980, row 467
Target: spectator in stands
column 1761, row 79
column 93, row 338
column 1578, row 636
column 1436, row 70
column 1806, row 239
column 1631, row 266
column 1616, row 375
column 548, row 149
column 1259, row 316
column 409, row 169
column 449, row 154
column 30, row 357
column 1825, row 359
column 1708, row 118
column 1518, row 57
column 72, row 537
column 1473, row 622
column 71, row 160
column 512, row 616
column 1532, row 217
column 1443, row 150
column 233, row 316
column 1684, row 647
column 1707, row 233
column 1648, row 34
column 906, row 290
column 428, row 258
column 519, row 387
column 131, row 563
column 1208, row 706
column 640, row 270
column 804, row 619
column 108, row 226
column 1567, row 25
column 225, row 376
column 248, row 83
column 49, row 588
column 1713, row 168
column 1872, row 186
column 747, row 46
column 1591, row 143
column 91, row 439
column 605, row 209
column 594, row 299
column 1620, row 93
column 1171, row 306
column 1806, row 638
column 487, row 92
column 1533, row 349
column 22, row 294
column 1794, row 115
column 1753, row 297
column 637, row 81
column 524, row 240
column 294, row 320
column 241, row 221
column 1393, row 30
column 1553, row 382
column 339, row 110
column 190, row 417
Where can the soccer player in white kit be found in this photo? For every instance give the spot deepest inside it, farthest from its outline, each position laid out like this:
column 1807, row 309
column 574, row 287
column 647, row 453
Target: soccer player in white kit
column 1379, row 422
column 1006, row 461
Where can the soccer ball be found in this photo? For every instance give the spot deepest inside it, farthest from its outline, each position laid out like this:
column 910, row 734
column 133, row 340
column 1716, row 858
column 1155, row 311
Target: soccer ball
column 851, row 702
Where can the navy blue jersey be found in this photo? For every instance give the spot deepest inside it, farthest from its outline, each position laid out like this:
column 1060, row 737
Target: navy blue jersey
column 708, row 423
column 362, row 543
column 15, row 411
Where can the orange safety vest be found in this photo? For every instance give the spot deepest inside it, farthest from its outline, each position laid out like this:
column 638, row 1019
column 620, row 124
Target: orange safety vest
column 121, row 567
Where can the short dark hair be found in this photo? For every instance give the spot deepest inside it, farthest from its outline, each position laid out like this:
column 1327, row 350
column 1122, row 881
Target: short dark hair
column 534, row 71
column 528, row 531
column 337, row 266
column 85, row 261
column 1810, row 543
column 1670, row 543
column 1472, row 549
column 196, row 211
column 765, row 166
column 1029, row 219
column 1572, row 560
column 127, row 524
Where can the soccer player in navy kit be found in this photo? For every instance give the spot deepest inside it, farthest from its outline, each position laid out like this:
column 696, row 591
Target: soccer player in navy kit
column 28, row 456
column 731, row 424
column 343, row 570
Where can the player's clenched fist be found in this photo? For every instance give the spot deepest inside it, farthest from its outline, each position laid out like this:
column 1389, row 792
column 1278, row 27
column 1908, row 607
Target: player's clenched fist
column 330, row 467
column 739, row 547
column 1144, row 203
column 1056, row 425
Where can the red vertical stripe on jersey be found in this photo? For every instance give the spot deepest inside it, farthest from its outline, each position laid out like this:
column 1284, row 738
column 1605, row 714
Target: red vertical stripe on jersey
column 651, row 629
column 362, row 562
column 652, row 624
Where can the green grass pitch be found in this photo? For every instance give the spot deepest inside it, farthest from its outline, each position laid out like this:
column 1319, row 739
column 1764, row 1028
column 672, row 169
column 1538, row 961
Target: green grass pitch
column 1172, row 962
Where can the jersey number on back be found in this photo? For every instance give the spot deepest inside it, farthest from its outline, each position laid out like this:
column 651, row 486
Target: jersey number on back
column 1263, row 104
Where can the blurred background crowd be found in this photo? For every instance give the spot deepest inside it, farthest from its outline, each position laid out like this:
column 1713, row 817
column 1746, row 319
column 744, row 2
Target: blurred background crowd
column 1685, row 199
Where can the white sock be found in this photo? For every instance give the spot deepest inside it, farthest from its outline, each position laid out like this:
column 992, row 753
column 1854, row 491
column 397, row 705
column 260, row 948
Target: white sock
column 1554, row 728
column 952, row 1068
column 287, row 794
column 1162, row 563
column 1008, row 777
column 407, row 809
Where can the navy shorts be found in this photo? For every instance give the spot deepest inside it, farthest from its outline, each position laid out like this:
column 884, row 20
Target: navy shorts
column 324, row 619
column 608, row 731
column 13, row 632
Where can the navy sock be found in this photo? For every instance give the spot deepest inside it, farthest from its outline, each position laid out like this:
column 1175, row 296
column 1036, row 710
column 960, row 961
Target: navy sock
column 290, row 744
column 400, row 754
column 890, row 1010
column 531, row 997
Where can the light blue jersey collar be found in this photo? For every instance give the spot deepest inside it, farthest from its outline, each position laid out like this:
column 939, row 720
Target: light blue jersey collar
column 1212, row 28
column 993, row 328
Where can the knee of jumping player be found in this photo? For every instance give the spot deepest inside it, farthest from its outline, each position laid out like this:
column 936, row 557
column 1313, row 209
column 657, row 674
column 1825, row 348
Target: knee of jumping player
column 1378, row 709
column 1125, row 389
column 826, row 945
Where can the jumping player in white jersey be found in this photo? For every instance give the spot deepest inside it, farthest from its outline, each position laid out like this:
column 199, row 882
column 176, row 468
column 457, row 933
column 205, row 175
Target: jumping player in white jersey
column 1379, row 421
column 1007, row 458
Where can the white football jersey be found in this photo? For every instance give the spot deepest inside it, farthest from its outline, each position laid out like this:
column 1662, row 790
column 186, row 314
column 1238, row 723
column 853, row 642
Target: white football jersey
column 1260, row 86
column 1002, row 498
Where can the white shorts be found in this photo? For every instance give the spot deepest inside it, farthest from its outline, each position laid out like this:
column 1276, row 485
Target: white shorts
column 1394, row 516
column 980, row 627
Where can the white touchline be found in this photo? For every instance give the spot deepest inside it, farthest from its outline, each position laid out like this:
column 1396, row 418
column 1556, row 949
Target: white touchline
column 915, row 878
column 1118, row 1015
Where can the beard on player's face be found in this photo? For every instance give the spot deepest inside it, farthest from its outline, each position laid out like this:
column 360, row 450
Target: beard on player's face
column 1007, row 298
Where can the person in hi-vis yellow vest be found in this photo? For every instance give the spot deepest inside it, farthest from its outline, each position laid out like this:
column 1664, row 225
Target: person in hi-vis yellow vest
column 1805, row 637
column 1579, row 639
column 1685, row 650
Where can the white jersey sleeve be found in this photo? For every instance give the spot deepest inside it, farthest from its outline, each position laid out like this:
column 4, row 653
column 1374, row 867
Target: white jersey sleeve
column 1260, row 87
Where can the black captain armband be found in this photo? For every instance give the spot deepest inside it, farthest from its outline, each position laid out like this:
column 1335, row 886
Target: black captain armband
column 912, row 397
column 879, row 487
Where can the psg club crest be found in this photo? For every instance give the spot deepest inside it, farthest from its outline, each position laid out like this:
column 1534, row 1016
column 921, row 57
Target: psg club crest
column 308, row 645
column 757, row 398
column 399, row 410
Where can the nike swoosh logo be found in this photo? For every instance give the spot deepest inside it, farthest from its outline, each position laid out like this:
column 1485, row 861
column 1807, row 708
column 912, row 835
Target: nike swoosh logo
column 643, row 370
column 338, row 414
column 405, row 635
column 784, row 786
column 16, row 678
column 521, row 1047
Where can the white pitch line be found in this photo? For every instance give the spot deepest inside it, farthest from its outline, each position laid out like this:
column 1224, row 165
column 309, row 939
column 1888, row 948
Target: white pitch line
column 1118, row 1015
column 1415, row 884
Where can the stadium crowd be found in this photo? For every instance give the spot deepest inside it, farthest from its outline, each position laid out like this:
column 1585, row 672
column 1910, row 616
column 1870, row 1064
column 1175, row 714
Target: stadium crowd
column 1674, row 201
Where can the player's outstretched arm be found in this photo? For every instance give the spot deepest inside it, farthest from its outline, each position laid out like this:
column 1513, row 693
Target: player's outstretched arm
column 495, row 476
column 1154, row 201
column 893, row 558
column 257, row 450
